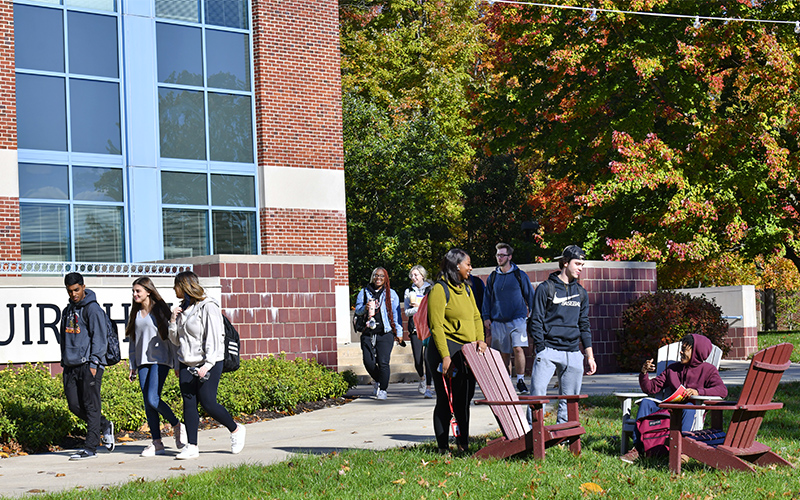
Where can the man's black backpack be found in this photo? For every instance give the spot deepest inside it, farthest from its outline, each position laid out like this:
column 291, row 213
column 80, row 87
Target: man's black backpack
column 113, row 352
column 231, row 361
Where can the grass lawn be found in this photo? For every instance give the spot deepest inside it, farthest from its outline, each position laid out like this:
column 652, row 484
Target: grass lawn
column 772, row 338
column 419, row 473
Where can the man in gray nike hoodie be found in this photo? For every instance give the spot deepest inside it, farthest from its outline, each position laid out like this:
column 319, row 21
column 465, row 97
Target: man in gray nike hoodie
column 558, row 325
column 84, row 340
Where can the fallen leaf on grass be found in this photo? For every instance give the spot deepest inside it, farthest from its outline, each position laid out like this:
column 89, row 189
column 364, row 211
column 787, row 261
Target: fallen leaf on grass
column 399, row 481
column 423, row 483
column 591, row 488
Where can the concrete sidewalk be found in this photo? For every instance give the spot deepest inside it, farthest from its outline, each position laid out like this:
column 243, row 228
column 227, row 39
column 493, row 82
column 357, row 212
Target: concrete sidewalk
column 405, row 418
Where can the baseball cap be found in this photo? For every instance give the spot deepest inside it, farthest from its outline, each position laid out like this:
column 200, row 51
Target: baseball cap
column 572, row 252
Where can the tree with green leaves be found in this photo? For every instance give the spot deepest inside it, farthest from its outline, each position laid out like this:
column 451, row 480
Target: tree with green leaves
column 407, row 66
column 673, row 142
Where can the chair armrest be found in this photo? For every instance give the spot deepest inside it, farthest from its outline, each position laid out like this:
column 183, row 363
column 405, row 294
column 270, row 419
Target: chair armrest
column 683, row 406
column 630, row 395
column 528, row 402
column 556, row 396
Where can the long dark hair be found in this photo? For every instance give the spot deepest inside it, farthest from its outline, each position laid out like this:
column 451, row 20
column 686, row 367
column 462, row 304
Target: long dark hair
column 388, row 295
column 449, row 268
column 159, row 310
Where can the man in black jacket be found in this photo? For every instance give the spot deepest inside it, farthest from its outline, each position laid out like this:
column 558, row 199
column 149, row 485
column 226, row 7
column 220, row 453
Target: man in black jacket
column 559, row 324
column 84, row 343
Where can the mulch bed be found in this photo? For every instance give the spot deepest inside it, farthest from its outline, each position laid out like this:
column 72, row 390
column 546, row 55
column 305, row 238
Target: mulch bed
column 76, row 442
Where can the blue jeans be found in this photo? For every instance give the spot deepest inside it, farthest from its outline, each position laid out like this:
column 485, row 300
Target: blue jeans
column 648, row 406
column 151, row 380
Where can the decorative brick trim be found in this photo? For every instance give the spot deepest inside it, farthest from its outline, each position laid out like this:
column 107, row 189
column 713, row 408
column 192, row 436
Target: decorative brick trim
column 306, row 232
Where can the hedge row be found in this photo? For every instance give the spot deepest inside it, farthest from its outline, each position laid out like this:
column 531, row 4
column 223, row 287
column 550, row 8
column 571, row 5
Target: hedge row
column 34, row 414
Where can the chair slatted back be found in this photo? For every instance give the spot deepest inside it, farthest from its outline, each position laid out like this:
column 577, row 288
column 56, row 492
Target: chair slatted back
column 766, row 370
column 671, row 353
column 492, row 376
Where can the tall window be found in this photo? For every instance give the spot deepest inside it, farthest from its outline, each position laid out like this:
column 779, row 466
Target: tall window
column 69, row 130
column 205, row 108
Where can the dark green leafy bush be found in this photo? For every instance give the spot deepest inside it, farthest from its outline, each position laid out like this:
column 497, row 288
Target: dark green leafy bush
column 662, row 318
column 34, row 412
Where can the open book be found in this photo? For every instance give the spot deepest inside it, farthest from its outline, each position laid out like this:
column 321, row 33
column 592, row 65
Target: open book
column 679, row 396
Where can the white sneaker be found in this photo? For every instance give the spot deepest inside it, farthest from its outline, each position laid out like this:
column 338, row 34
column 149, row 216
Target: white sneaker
column 381, row 394
column 422, row 387
column 179, row 432
column 189, row 451
column 108, row 437
column 375, row 388
column 429, row 394
column 153, row 450
column 237, row 439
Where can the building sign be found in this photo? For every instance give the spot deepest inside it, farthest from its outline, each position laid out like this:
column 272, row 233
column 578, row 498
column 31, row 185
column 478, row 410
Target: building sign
column 30, row 317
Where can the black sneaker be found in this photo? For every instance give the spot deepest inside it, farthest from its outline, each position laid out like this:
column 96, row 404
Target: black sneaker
column 83, row 455
column 521, row 387
column 108, row 437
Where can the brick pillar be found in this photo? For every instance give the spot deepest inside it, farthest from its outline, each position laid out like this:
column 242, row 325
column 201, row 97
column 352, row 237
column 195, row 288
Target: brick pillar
column 9, row 190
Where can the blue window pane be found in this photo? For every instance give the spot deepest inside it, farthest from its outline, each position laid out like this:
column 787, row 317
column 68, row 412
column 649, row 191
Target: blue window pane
column 41, row 113
column 179, row 52
column 109, row 5
column 99, row 234
column 97, row 184
column 44, row 232
column 93, row 44
column 228, row 60
column 230, row 13
column 230, row 128
column 43, row 181
column 38, row 38
column 184, row 188
column 181, row 10
column 185, row 233
column 234, row 232
column 181, row 119
column 233, row 190
column 94, row 116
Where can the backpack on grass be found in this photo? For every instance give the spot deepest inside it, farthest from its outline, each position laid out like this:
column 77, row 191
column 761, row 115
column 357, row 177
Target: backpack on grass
column 654, row 433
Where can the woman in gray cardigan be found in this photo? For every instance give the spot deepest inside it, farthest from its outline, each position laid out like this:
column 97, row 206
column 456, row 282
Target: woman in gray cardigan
column 196, row 328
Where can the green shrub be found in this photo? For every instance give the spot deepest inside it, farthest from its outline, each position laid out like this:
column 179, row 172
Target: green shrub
column 350, row 377
column 662, row 318
column 34, row 412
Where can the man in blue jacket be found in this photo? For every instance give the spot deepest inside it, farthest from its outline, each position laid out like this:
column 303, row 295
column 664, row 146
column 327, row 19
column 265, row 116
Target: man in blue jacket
column 84, row 342
column 507, row 302
column 559, row 324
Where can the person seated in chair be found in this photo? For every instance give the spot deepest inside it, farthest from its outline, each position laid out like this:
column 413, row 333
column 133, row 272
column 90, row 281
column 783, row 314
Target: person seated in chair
column 697, row 376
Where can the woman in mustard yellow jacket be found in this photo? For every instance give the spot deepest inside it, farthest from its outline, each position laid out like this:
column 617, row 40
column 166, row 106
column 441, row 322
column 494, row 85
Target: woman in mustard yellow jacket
column 454, row 320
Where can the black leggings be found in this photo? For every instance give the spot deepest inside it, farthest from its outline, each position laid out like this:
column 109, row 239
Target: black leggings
column 462, row 389
column 205, row 393
column 420, row 360
column 376, row 357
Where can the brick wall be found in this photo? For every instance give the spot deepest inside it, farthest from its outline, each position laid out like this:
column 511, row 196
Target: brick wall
column 278, row 305
column 298, row 89
column 611, row 287
column 8, row 100
column 9, row 229
column 743, row 341
column 306, row 232
column 299, row 119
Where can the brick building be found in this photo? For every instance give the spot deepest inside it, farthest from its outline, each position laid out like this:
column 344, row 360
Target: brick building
column 199, row 131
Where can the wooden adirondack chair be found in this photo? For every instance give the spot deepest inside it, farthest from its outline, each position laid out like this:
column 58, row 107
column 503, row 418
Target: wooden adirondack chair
column 739, row 449
column 667, row 355
column 519, row 437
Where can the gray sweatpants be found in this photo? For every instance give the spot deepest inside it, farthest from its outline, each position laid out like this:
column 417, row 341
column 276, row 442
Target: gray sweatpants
column 568, row 366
